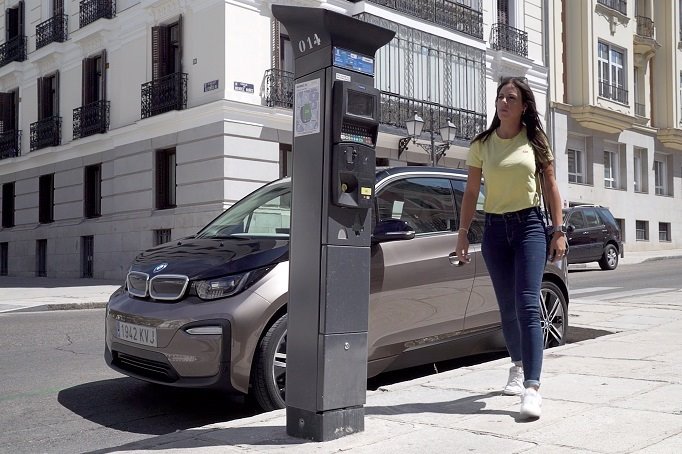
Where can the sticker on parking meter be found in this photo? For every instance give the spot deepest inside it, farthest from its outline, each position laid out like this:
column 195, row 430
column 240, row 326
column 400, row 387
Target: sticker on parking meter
column 307, row 108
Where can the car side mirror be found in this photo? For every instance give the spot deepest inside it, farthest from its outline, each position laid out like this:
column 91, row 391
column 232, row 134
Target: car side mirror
column 570, row 228
column 392, row 230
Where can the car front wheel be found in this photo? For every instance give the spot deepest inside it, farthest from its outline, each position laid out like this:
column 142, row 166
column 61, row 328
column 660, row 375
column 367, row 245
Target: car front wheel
column 268, row 381
column 554, row 315
column 609, row 260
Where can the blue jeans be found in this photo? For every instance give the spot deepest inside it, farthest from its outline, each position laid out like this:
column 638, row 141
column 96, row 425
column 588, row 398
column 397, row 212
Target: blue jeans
column 515, row 251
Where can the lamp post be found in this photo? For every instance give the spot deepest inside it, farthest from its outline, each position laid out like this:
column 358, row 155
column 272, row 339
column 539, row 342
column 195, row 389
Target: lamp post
column 415, row 125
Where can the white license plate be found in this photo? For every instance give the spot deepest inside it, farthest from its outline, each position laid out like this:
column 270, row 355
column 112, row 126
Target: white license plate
column 137, row 334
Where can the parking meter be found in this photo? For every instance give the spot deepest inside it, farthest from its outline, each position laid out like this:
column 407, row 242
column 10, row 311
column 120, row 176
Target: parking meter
column 355, row 126
column 335, row 125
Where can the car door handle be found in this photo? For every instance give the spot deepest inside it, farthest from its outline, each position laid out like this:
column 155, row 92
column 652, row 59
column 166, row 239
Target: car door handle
column 454, row 260
column 452, row 257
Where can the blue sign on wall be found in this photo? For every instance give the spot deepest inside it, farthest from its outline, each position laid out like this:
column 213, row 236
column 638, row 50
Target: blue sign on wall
column 355, row 62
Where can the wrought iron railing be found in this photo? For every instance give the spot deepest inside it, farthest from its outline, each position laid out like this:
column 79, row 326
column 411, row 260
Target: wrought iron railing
column 91, row 119
column 278, row 88
column 10, row 144
column 396, row 109
column 13, row 50
column 640, row 109
column 46, row 133
column 619, row 5
column 645, row 27
column 164, row 94
column 92, row 10
column 55, row 29
column 505, row 37
column 447, row 13
column 614, row 92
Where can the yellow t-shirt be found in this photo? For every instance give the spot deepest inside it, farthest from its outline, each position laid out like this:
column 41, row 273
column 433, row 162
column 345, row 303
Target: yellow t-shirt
column 509, row 172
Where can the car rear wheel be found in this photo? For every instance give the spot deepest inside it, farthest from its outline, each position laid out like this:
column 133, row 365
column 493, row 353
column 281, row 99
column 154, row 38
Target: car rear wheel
column 554, row 315
column 609, row 260
column 268, row 380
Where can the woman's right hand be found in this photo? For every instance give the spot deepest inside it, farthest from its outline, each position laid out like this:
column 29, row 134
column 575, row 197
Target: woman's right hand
column 462, row 249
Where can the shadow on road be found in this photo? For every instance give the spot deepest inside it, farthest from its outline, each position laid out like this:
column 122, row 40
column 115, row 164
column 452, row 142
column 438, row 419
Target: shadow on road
column 130, row 405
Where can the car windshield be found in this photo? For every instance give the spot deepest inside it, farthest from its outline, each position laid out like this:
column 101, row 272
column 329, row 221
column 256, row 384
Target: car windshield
column 263, row 213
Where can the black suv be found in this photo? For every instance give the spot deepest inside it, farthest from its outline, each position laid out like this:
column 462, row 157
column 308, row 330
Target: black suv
column 593, row 236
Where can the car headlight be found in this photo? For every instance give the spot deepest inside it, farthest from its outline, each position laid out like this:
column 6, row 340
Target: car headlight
column 222, row 287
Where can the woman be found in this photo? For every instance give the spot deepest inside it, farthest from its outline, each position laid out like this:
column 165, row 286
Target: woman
column 511, row 155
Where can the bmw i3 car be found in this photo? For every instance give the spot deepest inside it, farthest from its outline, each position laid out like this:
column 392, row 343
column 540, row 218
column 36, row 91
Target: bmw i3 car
column 210, row 310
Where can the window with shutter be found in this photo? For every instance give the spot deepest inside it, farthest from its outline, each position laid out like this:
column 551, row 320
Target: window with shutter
column 503, row 12
column 6, row 108
column 8, row 205
column 160, row 51
column 57, row 7
column 46, row 198
column 92, row 197
column 165, row 179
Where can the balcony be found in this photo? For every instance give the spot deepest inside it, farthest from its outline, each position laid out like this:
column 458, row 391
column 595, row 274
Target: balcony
column 645, row 44
column 91, row 119
column 55, row 29
column 278, row 88
column 619, row 5
column 446, row 13
column 92, row 10
column 613, row 92
column 510, row 39
column 396, row 109
column 10, row 144
column 46, row 133
column 164, row 94
column 645, row 27
column 13, row 50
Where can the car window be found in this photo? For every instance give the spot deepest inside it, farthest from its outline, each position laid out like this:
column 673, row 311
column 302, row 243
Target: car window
column 577, row 220
column 591, row 218
column 606, row 216
column 425, row 203
column 265, row 212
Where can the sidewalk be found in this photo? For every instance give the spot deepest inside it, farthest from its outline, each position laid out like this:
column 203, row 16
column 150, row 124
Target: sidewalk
column 44, row 293
column 618, row 393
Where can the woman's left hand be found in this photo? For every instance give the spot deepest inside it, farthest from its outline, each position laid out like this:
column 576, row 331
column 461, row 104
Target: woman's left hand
column 558, row 248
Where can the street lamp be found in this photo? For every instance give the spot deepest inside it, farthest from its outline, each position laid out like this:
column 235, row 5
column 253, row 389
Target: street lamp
column 415, row 125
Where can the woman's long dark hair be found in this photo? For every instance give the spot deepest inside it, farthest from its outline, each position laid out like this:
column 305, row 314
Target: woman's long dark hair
column 530, row 119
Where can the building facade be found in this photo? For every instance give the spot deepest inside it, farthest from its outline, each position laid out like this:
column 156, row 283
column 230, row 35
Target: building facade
column 616, row 112
column 129, row 123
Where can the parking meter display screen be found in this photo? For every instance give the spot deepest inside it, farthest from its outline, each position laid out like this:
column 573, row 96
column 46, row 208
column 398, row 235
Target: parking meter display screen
column 360, row 104
column 355, row 62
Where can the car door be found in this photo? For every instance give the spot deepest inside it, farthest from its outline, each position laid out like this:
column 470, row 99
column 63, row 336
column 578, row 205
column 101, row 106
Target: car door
column 578, row 237
column 596, row 232
column 482, row 311
column 418, row 297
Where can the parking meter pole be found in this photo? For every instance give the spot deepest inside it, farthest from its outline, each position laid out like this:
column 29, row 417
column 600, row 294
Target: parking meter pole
column 336, row 111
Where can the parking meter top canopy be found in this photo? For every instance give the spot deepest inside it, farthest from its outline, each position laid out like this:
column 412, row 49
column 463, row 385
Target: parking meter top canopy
column 315, row 29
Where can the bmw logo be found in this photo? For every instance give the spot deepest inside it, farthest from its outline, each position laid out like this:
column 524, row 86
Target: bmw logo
column 160, row 267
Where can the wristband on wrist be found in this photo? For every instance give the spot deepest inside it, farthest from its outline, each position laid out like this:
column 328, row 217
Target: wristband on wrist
column 465, row 230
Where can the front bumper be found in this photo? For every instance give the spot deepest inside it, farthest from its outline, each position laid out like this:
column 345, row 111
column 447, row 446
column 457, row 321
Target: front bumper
column 180, row 358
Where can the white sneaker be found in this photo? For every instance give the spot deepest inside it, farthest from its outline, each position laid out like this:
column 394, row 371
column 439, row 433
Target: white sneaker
column 514, row 382
column 531, row 404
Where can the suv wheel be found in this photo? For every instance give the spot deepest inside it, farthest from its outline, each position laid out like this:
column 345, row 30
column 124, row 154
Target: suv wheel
column 269, row 367
column 554, row 315
column 609, row 260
